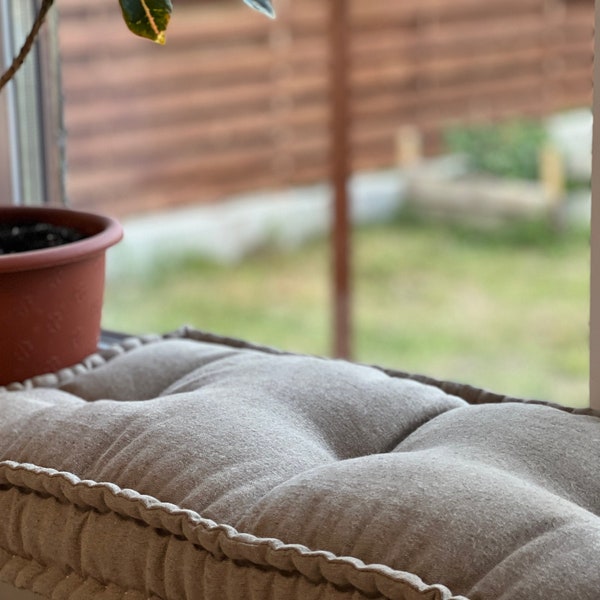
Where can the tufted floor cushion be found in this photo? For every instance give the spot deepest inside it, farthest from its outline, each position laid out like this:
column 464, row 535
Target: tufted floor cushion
column 194, row 467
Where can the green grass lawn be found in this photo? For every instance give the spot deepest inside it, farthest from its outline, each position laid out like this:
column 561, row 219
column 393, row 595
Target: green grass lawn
column 505, row 310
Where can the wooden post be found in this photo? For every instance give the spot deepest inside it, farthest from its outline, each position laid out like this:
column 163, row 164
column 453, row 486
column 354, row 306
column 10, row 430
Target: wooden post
column 552, row 173
column 409, row 146
column 340, row 172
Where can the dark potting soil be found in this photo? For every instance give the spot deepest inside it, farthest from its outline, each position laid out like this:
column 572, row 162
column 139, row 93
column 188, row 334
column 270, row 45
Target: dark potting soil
column 25, row 236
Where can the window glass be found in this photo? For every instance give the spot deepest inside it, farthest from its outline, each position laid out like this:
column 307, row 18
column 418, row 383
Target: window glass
column 217, row 145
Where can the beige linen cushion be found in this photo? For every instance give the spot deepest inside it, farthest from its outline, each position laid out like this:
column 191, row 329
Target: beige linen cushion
column 194, row 467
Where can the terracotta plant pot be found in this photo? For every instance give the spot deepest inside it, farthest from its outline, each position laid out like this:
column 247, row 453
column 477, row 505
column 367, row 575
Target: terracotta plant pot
column 51, row 299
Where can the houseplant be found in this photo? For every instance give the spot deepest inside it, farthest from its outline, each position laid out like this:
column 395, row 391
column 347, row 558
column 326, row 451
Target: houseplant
column 52, row 260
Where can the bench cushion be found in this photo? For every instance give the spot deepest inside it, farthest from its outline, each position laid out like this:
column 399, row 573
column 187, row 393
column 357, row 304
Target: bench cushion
column 189, row 466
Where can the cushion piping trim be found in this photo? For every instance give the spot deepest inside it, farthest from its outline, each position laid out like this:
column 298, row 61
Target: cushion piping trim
column 221, row 541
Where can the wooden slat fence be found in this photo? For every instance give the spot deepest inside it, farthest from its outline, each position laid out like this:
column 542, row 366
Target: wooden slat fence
column 235, row 102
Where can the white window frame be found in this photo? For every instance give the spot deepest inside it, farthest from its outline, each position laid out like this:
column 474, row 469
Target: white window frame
column 31, row 129
column 595, row 232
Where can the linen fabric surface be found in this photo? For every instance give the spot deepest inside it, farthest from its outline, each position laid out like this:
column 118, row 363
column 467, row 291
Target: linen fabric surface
column 190, row 466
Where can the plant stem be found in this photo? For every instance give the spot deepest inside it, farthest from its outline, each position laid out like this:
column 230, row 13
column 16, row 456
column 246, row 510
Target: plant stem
column 28, row 45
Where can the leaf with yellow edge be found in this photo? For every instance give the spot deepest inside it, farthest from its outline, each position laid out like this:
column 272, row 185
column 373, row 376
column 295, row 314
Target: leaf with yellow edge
column 147, row 18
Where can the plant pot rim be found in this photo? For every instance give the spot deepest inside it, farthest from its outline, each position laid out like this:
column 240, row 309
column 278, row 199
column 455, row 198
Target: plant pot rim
column 102, row 232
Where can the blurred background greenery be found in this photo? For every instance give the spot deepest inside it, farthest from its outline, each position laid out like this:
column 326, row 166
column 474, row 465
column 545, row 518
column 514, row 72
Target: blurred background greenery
column 504, row 309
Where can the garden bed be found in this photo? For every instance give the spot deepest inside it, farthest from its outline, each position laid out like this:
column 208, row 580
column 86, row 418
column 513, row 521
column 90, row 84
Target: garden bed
column 448, row 189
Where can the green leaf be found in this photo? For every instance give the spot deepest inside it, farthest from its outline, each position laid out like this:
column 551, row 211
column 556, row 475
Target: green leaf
column 262, row 6
column 147, row 18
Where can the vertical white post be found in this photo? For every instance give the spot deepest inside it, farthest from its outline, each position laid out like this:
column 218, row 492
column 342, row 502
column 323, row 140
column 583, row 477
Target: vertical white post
column 31, row 132
column 595, row 237
column 10, row 170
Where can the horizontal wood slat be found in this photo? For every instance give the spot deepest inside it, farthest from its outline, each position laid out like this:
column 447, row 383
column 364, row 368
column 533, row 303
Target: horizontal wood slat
column 235, row 102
